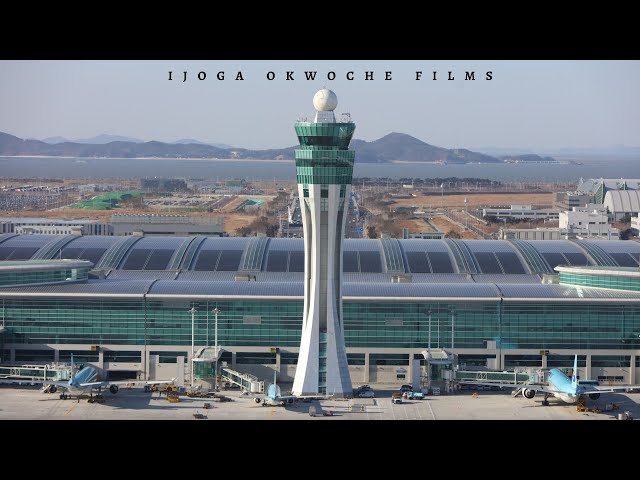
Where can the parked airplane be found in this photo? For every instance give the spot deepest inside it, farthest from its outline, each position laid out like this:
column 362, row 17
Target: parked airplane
column 84, row 381
column 560, row 386
column 275, row 398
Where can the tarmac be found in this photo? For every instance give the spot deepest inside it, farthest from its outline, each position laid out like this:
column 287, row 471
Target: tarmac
column 134, row 404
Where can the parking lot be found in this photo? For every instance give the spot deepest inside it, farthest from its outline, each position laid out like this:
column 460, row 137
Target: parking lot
column 30, row 403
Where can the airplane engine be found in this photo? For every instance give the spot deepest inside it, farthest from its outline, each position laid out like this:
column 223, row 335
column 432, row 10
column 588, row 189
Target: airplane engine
column 257, row 400
column 290, row 400
column 529, row 393
column 114, row 389
column 594, row 396
column 52, row 389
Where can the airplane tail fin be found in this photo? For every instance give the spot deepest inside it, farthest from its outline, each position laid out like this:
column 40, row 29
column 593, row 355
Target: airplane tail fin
column 274, row 377
column 71, row 381
column 574, row 375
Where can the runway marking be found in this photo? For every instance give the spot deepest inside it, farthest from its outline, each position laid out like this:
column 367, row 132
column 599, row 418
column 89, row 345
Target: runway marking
column 58, row 406
column 418, row 409
column 431, row 409
column 73, row 405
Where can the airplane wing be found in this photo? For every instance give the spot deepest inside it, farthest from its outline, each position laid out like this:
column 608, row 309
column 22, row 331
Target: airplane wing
column 287, row 397
column 536, row 388
column 141, row 382
column 290, row 398
column 612, row 389
column 305, row 397
column 57, row 383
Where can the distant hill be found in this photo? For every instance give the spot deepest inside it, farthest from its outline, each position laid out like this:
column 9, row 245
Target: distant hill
column 400, row 146
column 54, row 140
column 104, row 138
column 186, row 141
column 392, row 147
column 97, row 140
column 10, row 145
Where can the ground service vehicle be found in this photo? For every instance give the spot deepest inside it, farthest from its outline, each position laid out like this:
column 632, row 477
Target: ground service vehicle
column 414, row 395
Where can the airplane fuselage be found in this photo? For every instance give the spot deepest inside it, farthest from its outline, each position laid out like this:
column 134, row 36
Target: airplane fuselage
column 566, row 398
column 558, row 385
column 566, row 390
column 273, row 402
column 86, row 375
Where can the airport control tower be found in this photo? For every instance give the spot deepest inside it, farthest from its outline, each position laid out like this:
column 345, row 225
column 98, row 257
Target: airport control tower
column 324, row 167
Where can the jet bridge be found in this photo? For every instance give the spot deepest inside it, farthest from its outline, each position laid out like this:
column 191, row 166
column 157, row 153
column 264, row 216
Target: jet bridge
column 35, row 373
column 525, row 376
column 247, row 382
column 486, row 376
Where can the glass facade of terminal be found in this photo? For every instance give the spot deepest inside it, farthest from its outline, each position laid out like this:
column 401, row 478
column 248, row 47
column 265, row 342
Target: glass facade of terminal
column 96, row 321
column 601, row 281
column 26, row 277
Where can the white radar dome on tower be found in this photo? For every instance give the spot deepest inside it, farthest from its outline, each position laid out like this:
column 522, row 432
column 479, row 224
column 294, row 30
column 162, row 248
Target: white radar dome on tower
column 325, row 100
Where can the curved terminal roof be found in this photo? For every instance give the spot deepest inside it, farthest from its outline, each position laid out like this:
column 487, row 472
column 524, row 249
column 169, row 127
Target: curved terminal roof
column 353, row 292
column 591, row 185
column 366, row 259
column 384, row 270
column 622, row 201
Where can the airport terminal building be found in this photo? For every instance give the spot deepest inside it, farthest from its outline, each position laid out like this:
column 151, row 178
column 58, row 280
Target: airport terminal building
column 123, row 303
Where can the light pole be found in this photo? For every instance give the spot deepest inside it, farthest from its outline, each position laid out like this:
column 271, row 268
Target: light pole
column 215, row 336
column 452, row 327
column 429, row 341
column 193, row 338
column 466, row 215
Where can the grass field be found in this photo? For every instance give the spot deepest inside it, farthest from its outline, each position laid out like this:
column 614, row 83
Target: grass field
column 106, row 201
column 415, row 226
column 236, row 220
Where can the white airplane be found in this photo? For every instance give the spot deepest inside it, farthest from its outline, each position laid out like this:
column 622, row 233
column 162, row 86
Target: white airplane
column 560, row 386
column 275, row 398
column 84, row 381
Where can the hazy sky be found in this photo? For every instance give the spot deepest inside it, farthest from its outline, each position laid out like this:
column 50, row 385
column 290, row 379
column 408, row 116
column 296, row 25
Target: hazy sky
column 528, row 104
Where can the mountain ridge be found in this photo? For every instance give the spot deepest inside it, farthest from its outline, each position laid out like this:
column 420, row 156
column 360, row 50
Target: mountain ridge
column 389, row 148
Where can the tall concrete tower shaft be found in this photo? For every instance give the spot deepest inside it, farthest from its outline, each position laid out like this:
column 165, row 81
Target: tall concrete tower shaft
column 324, row 166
